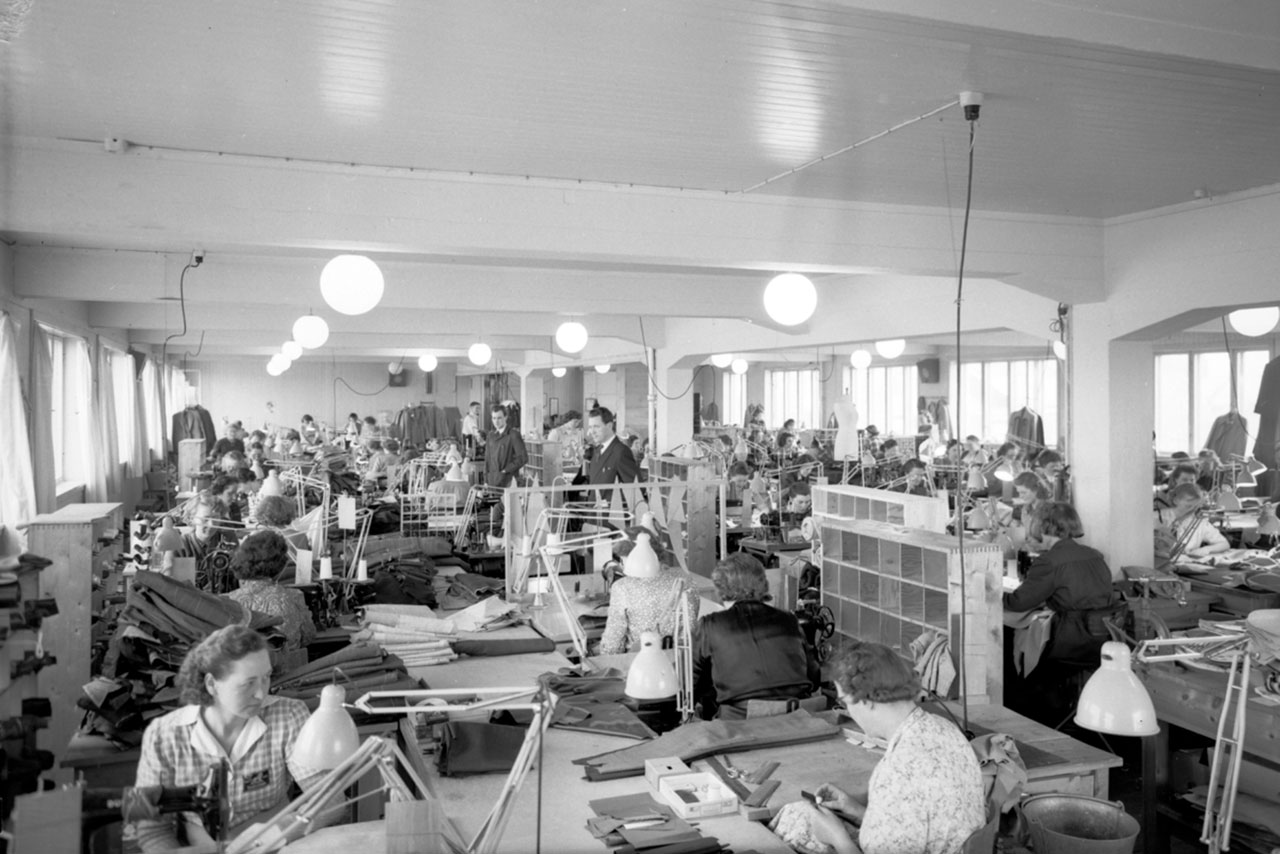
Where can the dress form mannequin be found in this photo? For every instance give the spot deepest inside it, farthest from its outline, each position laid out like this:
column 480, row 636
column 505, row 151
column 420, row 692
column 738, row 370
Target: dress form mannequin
column 847, row 434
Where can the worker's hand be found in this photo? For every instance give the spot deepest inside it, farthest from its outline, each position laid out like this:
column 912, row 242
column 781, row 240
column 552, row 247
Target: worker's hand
column 835, row 798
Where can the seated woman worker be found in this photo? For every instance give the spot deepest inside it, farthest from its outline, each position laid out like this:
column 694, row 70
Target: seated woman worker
column 230, row 715
column 750, row 657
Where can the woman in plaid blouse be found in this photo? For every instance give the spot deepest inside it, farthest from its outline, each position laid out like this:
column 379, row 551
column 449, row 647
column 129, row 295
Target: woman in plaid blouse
column 230, row 714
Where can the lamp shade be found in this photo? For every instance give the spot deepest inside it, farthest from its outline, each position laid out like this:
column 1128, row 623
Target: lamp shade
column 1114, row 701
column 1060, row 350
column 860, row 359
column 395, row 367
column 479, row 353
column 891, row 348
column 271, row 484
column 351, row 284
column 642, row 562
column 739, row 366
column 1254, row 322
column 167, row 539
column 455, row 475
column 278, row 364
column 292, row 350
column 1004, row 472
column 603, row 369
column 427, row 363
column 571, row 336
column 790, row 299
column 329, row 736
column 722, row 360
column 310, row 331
column 558, row 372
column 651, row 676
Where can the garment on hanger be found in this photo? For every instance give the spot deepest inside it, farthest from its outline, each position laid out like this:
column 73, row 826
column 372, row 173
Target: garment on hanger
column 940, row 411
column 1228, row 435
column 1026, row 430
column 1268, row 407
column 423, row 422
column 194, row 422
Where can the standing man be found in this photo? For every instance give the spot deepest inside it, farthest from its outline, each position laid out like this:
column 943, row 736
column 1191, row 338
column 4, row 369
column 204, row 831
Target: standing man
column 503, row 458
column 472, row 432
column 611, row 460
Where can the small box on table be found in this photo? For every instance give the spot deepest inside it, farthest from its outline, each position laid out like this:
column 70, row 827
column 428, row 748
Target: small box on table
column 697, row 795
column 656, row 769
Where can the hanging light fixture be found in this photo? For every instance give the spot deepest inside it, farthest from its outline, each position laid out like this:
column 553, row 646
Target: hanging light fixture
column 310, row 331
column 292, row 350
column 790, row 299
column 351, row 284
column 603, row 369
column 739, row 366
column 1060, row 350
column 557, row 372
column 427, row 363
column 277, row 365
column 860, row 359
column 722, row 360
column 1254, row 322
column 891, row 348
column 395, row 367
column 479, row 353
column 571, row 336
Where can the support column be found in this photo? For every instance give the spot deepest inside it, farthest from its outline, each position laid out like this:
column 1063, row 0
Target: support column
column 532, row 410
column 1112, row 413
column 674, row 417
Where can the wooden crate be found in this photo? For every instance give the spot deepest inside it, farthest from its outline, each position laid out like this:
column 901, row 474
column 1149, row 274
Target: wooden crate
column 890, row 584
column 881, row 505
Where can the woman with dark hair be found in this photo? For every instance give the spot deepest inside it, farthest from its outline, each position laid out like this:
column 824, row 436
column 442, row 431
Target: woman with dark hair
column 1181, row 532
column 275, row 511
column 645, row 599
column 750, row 651
column 926, row 795
column 230, row 715
column 258, row 562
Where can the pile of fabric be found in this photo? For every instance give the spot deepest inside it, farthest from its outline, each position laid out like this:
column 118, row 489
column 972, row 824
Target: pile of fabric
column 412, row 633
column 358, row 668
column 162, row 619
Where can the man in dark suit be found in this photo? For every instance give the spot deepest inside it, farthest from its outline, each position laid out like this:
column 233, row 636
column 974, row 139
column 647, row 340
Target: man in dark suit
column 611, row 460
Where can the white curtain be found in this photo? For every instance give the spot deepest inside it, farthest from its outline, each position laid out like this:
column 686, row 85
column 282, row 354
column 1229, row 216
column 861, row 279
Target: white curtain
column 130, row 442
column 40, row 421
column 17, row 477
column 104, row 484
column 80, row 461
column 153, row 407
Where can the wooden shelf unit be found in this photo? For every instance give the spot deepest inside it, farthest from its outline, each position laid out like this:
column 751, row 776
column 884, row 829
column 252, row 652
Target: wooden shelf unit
column 545, row 463
column 890, row 584
column 75, row 540
column 881, row 505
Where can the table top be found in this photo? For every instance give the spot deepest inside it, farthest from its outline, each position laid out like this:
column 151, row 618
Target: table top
column 1192, row 699
column 566, row 793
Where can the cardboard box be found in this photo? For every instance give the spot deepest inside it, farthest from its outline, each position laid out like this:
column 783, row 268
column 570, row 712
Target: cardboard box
column 697, row 795
column 656, row 769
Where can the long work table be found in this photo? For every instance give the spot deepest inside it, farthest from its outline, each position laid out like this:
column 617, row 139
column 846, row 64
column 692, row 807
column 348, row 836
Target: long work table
column 553, row 802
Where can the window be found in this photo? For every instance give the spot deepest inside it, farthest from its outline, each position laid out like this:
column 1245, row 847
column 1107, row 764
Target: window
column 1192, row 389
column 992, row 391
column 70, row 417
column 886, row 396
column 735, row 398
column 793, row 394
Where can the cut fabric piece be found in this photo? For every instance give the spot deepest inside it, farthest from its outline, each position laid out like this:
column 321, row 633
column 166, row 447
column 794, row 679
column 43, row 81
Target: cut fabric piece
column 1003, row 771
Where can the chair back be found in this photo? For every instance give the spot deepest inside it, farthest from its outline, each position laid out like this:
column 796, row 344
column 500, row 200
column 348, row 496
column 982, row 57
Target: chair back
column 983, row 840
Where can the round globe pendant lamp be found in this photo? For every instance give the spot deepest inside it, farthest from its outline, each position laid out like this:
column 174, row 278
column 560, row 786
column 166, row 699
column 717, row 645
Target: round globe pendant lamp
column 292, row 350
column 277, row 365
column 1254, row 322
column 739, row 366
column 860, row 359
column 603, row 369
column 1060, row 350
column 310, row 331
column 891, row 348
column 571, row 336
column 479, row 353
column 790, row 299
column 427, row 363
column 722, row 360
column 395, row 367
column 558, row 372
column 351, row 284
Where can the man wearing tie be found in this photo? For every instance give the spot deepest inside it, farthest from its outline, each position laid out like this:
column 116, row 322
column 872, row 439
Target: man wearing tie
column 611, row 460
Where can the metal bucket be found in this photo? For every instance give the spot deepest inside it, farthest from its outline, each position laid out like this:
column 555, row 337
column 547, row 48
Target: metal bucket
column 1075, row 824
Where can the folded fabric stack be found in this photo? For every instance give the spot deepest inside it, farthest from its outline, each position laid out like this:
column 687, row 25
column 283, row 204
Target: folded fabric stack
column 358, row 668
column 932, row 655
column 413, row 633
column 161, row 620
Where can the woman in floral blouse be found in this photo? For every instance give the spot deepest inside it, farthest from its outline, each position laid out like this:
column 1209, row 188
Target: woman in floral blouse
column 258, row 562
column 926, row 795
